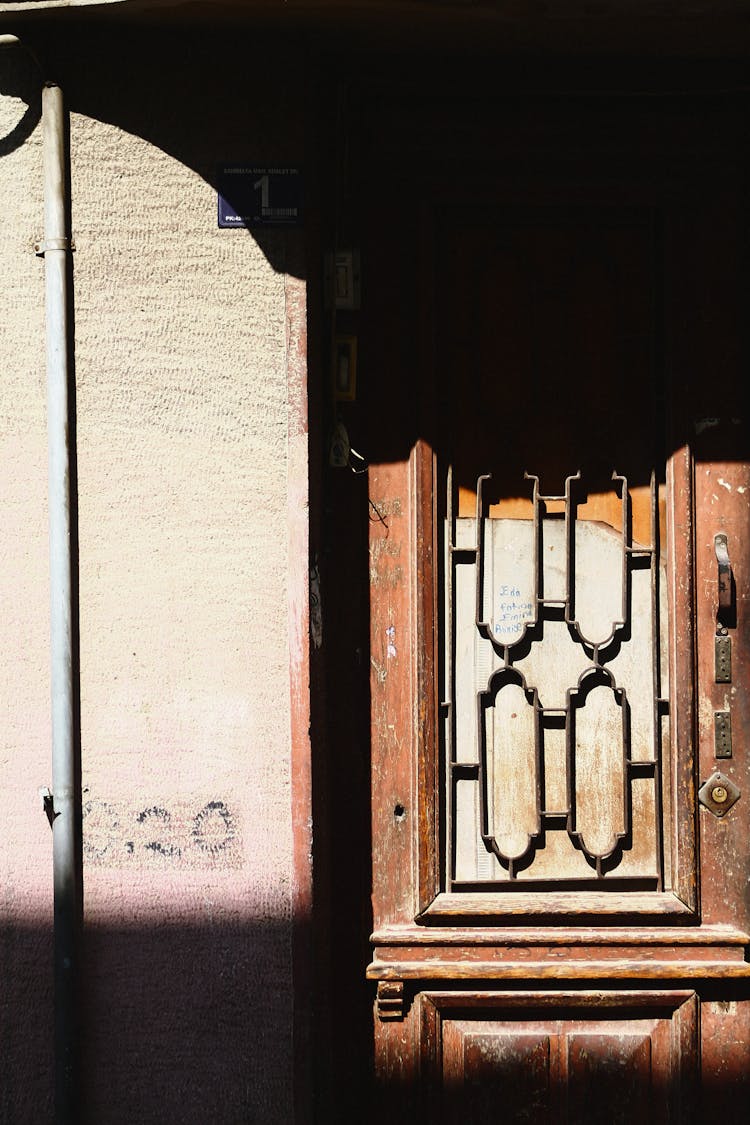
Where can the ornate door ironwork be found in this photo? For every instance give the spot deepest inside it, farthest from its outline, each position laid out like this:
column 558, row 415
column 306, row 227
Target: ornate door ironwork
column 555, row 716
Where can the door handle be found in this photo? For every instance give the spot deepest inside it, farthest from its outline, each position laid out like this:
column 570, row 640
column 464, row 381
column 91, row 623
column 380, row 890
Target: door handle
column 725, row 579
column 725, row 616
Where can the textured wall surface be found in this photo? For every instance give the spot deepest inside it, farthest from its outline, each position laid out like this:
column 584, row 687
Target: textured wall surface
column 25, row 845
column 182, row 480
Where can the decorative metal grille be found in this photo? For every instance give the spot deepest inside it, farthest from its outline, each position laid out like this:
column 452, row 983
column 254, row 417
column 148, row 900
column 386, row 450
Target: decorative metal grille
column 555, row 719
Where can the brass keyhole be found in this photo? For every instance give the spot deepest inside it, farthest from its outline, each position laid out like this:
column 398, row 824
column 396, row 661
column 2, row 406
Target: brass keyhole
column 718, row 794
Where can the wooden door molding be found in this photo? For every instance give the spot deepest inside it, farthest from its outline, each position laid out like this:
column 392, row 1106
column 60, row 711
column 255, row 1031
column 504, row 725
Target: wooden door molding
column 548, row 1054
column 678, row 902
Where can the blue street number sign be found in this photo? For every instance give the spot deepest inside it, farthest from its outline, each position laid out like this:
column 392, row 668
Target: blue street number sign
column 258, row 195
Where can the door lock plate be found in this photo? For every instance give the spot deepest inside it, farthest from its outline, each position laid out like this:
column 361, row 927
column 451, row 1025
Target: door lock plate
column 718, row 794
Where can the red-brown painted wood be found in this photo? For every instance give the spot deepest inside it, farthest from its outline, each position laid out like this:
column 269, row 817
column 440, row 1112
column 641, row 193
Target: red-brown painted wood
column 486, row 997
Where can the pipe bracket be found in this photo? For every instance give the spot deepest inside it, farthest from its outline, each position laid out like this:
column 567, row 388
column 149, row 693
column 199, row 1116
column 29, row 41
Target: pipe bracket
column 48, row 804
column 41, row 248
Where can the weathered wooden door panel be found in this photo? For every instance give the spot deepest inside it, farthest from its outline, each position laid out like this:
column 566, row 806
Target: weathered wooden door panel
column 576, row 1058
column 558, row 457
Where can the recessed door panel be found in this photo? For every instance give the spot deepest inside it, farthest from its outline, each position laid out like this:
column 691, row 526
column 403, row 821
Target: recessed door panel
column 567, row 1060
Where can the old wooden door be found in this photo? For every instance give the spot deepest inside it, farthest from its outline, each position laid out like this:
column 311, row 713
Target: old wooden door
column 550, row 372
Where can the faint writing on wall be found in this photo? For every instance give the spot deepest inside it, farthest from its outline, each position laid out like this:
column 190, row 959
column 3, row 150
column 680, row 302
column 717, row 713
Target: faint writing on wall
column 172, row 833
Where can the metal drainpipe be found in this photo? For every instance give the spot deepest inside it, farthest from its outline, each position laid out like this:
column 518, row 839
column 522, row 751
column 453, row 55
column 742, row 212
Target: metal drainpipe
column 64, row 799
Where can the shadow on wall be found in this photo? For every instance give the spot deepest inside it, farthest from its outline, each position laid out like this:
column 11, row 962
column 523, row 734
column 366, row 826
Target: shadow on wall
column 178, row 1037
column 177, row 1040
column 205, row 99
column 19, row 82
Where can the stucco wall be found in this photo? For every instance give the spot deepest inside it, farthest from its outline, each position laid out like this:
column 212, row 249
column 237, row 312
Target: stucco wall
column 181, row 378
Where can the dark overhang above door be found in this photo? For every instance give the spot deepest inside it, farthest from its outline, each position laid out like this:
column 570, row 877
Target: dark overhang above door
column 654, row 27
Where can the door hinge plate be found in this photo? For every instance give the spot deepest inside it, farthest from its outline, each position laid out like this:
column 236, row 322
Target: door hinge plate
column 723, row 659
column 723, row 734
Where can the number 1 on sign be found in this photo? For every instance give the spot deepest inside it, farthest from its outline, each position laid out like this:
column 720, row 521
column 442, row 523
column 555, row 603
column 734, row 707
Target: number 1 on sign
column 262, row 183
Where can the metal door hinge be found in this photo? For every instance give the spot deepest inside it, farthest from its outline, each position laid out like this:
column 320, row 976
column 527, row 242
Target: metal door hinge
column 723, row 658
column 723, row 734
